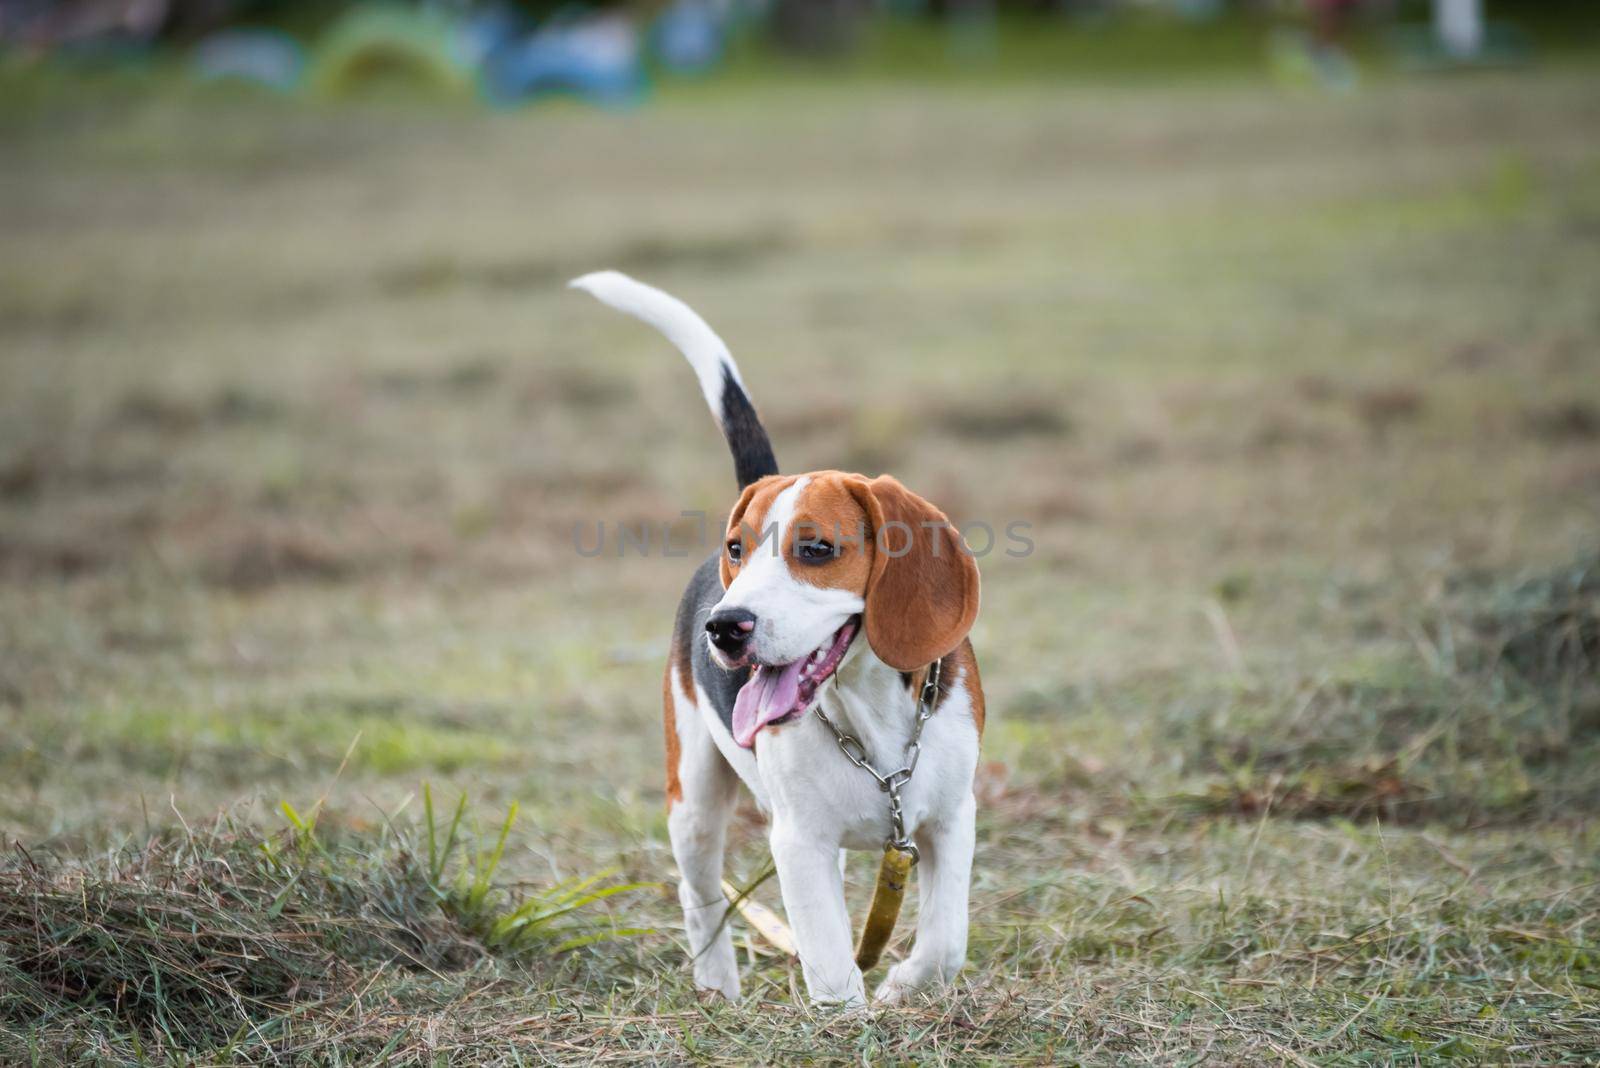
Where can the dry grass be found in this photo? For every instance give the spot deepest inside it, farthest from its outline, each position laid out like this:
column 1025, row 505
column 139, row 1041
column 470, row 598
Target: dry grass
column 1293, row 745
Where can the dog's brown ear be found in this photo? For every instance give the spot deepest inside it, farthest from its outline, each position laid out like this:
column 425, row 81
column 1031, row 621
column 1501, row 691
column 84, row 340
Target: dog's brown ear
column 738, row 517
column 922, row 591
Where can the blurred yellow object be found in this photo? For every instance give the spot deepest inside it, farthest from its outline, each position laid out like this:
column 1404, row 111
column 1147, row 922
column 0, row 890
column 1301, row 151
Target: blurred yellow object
column 893, row 874
column 376, row 45
column 766, row 922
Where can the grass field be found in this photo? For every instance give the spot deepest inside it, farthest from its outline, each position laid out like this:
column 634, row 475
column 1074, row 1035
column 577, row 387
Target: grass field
column 1294, row 749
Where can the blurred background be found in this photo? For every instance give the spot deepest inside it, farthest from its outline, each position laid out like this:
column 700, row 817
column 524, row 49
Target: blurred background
column 1277, row 321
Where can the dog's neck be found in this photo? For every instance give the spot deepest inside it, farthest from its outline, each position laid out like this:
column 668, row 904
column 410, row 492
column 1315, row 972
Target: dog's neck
column 871, row 701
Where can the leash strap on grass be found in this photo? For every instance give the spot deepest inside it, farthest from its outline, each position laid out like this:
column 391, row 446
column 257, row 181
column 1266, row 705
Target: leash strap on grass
column 893, row 875
column 768, row 924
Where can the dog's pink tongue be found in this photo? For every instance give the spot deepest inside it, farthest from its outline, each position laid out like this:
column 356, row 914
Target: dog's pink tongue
column 771, row 693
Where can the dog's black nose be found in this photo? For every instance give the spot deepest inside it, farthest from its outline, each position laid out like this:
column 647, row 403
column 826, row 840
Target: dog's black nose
column 731, row 628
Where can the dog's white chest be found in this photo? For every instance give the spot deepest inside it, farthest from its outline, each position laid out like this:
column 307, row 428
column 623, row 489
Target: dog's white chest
column 811, row 784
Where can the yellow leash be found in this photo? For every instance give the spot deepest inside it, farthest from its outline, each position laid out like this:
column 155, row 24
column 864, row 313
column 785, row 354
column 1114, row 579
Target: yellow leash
column 899, row 852
column 893, row 874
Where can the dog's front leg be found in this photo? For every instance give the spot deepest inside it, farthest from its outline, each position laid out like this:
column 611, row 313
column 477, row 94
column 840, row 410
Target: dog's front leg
column 813, row 897
column 943, row 875
column 698, row 825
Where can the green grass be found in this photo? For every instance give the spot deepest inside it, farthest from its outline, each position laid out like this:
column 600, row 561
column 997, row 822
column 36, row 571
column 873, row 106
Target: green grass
column 1292, row 753
column 245, row 944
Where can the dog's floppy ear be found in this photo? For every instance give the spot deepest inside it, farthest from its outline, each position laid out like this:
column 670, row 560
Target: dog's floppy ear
column 922, row 591
column 737, row 517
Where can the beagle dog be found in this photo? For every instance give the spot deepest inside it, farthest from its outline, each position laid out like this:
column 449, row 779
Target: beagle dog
column 832, row 595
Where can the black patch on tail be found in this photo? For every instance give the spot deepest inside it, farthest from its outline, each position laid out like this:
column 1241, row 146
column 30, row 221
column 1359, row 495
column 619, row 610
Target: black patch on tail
column 747, row 438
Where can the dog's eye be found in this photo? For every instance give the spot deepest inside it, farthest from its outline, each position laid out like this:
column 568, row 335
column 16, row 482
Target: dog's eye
column 735, row 552
column 815, row 552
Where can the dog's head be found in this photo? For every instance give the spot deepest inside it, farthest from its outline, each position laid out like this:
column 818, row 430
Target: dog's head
column 810, row 560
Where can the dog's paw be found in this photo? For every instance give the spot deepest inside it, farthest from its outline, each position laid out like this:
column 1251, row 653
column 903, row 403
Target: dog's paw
column 712, row 983
column 890, row 992
column 839, row 1005
column 843, row 990
column 903, row 982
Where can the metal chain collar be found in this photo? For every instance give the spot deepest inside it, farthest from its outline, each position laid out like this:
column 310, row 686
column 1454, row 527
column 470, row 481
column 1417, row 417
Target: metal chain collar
column 894, row 781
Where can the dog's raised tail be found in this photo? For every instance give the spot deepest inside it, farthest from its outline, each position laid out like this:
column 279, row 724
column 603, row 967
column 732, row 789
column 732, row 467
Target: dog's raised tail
column 712, row 362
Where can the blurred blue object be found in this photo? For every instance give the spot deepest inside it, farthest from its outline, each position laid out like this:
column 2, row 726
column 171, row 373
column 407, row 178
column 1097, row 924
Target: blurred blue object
column 690, row 37
column 261, row 57
column 485, row 33
column 595, row 58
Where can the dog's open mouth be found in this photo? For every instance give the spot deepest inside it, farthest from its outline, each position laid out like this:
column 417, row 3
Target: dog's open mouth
column 780, row 693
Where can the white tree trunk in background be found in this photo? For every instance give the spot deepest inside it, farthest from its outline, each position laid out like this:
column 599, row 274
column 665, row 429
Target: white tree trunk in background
column 1459, row 24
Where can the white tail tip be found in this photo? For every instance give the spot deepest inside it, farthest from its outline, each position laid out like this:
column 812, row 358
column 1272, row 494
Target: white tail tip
column 673, row 318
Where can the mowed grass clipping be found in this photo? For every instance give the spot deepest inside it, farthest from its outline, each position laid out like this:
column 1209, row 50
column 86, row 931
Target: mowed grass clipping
column 1292, row 748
